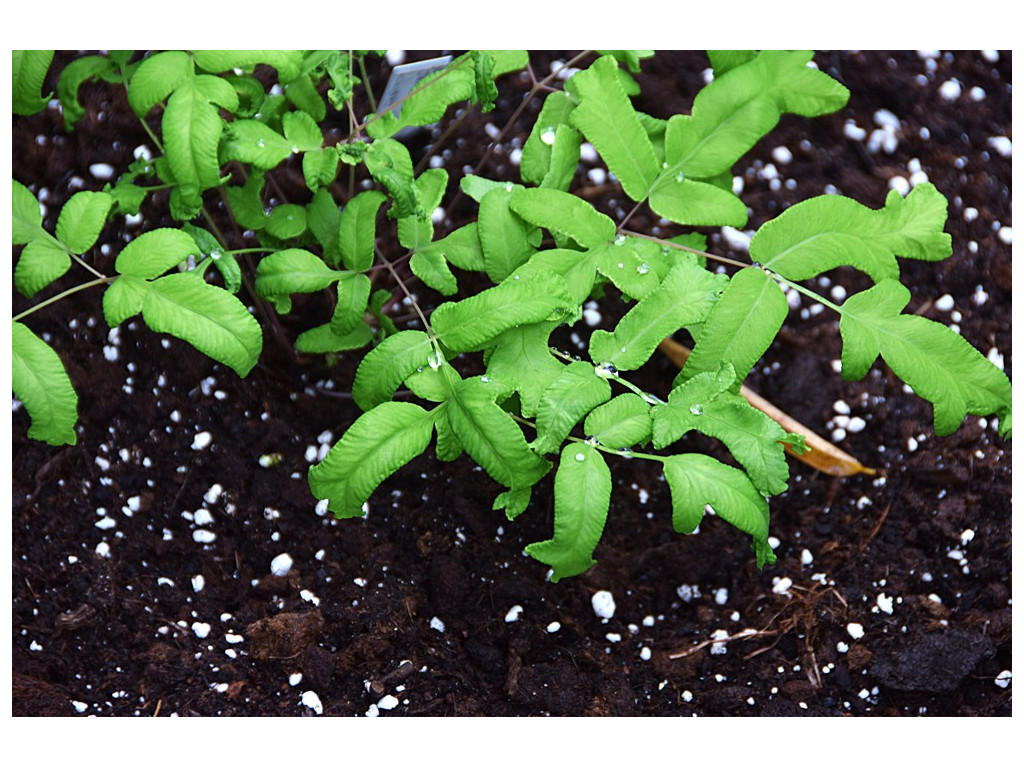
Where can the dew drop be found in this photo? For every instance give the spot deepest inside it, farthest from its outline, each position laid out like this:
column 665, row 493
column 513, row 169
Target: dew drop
column 696, row 409
column 580, row 457
column 259, row 143
column 435, row 360
column 643, row 269
column 680, row 176
column 548, row 136
column 620, row 239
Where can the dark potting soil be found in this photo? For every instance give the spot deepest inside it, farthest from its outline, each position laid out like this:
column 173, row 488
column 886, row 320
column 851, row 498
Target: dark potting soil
column 143, row 562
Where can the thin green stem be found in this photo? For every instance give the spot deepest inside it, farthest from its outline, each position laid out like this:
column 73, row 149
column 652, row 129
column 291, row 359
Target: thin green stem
column 366, row 82
column 62, row 295
column 688, row 249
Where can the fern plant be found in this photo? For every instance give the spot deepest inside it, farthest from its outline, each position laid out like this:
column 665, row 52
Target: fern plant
column 543, row 251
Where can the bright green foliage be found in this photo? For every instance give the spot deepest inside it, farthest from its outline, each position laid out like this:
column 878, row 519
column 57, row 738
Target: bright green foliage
column 828, row 231
column 77, row 72
column 504, row 237
column 29, row 70
column 606, row 118
column 45, row 257
column 937, row 363
column 225, row 135
column 740, row 327
column 741, row 105
column 583, row 488
column 706, row 404
column 207, row 317
column 491, row 437
column 562, row 213
column 566, row 400
column 377, row 444
column 697, row 481
column 387, row 365
column 620, row 423
column 684, row 297
column 475, row 323
column 358, row 227
column 41, row 383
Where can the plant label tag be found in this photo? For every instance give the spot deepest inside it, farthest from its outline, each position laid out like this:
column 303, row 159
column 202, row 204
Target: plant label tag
column 404, row 78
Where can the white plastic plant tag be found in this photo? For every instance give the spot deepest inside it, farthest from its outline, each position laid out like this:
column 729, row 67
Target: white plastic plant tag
column 404, row 78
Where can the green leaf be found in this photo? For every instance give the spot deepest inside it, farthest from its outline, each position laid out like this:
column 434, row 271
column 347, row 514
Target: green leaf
column 939, row 364
column 522, row 358
column 828, row 231
column 570, row 397
column 41, row 383
column 564, row 213
column 41, row 262
column 251, row 141
column 377, row 444
column 78, row 71
column 578, row 268
column 514, row 501
column 696, row 480
column 485, row 91
column 287, row 63
column 620, row 423
column 251, row 95
column 695, row 203
column 608, row 121
column 359, row 229
column 81, row 220
column 536, row 159
column 684, row 297
column 303, row 93
column 156, row 78
column 474, row 323
column 565, row 159
column 322, row 340
column 302, row 131
column 29, row 70
column 323, row 217
column 583, row 487
column 430, row 99
column 723, row 61
column 27, row 217
column 461, row 248
column 192, row 128
column 491, row 437
column 429, row 265
column 741, row 105
column 154, row 252
column 705, row 404
column 503, row 235
column 741, row 326
column 387, row 365
column 416, row 231
column 246, row 203
column 319, row 168
column 630, row 272
column 390, row 165
column 293, row 270
column 353, row 297
column 287, row 221
column 124, row 298
column 207, row 317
